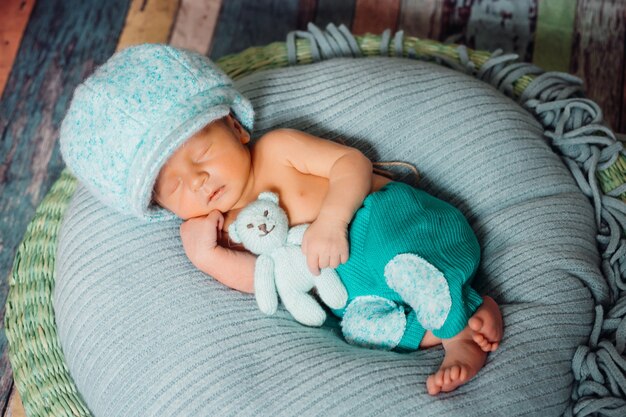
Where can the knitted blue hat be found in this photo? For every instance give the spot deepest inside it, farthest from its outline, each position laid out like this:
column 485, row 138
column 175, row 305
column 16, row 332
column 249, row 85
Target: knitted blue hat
column 127, row 119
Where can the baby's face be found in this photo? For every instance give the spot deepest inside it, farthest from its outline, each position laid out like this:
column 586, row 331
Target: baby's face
column 208, row 172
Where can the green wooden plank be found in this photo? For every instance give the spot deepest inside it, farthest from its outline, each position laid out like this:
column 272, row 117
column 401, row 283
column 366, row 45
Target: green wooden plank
column 245, row 23
column 553, row 37
column 63, row 42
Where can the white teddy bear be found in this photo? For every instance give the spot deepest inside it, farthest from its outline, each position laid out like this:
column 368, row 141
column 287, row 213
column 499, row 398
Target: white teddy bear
column 281, row 269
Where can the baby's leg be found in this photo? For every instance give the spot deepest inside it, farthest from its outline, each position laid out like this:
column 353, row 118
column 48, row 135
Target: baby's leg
column 467, row 351
column 429, row 340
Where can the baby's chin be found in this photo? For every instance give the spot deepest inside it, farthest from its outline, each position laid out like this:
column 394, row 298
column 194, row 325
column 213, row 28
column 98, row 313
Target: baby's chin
column 186, row 215
column 193, row 209
column 191, row 215
column 201, row 211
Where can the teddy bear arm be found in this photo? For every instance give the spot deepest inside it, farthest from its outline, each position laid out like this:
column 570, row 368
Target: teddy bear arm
column 296, row 233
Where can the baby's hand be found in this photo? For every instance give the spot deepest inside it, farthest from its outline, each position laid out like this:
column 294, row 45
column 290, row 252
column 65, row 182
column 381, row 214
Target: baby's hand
column 325, row 244
column 200, row 234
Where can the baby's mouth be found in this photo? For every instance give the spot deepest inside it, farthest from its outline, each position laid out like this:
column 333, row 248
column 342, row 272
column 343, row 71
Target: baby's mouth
column 216, row 194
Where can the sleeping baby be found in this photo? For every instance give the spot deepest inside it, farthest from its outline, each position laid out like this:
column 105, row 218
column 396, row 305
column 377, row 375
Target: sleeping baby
column 158, row 133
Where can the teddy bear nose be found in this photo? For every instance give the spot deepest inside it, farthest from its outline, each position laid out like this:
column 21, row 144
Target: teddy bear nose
column 263, row 228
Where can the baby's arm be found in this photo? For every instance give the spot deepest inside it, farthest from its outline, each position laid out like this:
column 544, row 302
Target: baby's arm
column 233, row 268
column 349, row 175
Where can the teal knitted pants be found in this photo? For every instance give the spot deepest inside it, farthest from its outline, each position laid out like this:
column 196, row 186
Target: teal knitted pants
column 412, row 256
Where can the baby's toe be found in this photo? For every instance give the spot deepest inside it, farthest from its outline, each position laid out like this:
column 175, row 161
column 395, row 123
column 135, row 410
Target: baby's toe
column 455, row 373
column 489, row 333
column 439, row 377
column 432, row 386
column 475, row 323
column 453, row 377
column 463, row 374
column 479, row 339
column 484, row 344
column 485, row 336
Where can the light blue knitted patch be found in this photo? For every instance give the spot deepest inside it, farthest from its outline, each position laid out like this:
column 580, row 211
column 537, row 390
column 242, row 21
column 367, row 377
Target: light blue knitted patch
column 422, row 286
column 373, row 322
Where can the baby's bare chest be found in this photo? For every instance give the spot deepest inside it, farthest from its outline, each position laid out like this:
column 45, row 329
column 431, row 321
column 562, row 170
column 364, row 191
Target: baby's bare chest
column 300, row 195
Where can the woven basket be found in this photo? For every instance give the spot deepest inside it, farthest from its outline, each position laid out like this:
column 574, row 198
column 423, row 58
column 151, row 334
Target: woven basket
column 39, row 368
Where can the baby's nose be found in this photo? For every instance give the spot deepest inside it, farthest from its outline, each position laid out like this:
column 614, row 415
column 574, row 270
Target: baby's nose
column 198, row 181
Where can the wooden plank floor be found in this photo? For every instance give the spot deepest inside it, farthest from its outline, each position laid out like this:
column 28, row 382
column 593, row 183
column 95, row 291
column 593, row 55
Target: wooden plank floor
column 48, row 46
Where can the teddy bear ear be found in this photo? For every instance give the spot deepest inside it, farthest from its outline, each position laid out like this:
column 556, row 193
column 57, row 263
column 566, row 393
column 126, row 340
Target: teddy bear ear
column 233, row 234
column 269, row 196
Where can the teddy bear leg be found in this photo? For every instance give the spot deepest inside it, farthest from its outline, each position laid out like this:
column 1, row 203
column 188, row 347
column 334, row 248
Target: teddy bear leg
column 422, row 286
column 303, row 307
column 373, row 322
column 330, row 288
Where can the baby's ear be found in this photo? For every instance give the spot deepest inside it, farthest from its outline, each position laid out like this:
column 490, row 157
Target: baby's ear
column 244, row 136
column 232, row 233
column 269, row 196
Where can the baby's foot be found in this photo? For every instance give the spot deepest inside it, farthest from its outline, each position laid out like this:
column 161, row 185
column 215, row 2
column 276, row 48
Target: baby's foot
column 486, row 324
column 462, row 361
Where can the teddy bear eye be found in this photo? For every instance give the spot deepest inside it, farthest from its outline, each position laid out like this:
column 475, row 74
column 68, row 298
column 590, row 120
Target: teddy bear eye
column 265, row 213
column 250, row 225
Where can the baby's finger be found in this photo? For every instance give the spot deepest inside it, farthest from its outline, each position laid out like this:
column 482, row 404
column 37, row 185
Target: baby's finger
column 344, row 257
column 344, row 251
column 313, row 264
column 324, row 261
column 335, row 260
column 214, row 216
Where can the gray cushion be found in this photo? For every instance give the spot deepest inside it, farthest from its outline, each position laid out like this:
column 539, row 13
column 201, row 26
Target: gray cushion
column 145, row 334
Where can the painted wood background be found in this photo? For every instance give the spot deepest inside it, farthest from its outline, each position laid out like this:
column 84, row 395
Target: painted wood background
column 48, row 46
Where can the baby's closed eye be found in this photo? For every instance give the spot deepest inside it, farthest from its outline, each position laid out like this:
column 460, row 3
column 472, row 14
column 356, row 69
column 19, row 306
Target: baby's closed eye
column 203, row 154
